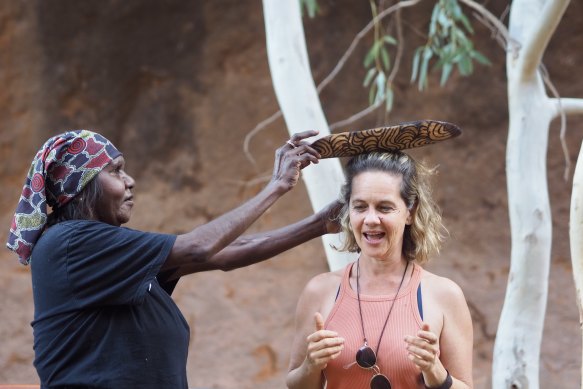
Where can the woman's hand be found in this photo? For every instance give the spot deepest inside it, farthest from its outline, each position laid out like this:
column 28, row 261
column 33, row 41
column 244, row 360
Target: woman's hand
column 323, row 346
column 424, row 352
column 292, row 157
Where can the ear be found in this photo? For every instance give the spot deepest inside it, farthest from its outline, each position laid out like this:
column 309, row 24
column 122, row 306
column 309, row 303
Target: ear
column 411, row 214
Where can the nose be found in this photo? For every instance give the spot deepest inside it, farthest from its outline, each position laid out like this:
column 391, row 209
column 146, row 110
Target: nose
column 372, row 217
column 129, row 180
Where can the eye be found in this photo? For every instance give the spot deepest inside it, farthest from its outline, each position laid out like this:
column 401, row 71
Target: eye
column 359, row 208
column 388, row 209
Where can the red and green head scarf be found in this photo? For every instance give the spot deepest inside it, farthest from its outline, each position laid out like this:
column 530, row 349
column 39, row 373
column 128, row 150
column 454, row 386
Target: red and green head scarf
column 62, row 167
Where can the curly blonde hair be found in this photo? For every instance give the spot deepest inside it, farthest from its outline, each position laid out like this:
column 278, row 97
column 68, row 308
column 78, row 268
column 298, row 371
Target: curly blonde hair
column 424, row 236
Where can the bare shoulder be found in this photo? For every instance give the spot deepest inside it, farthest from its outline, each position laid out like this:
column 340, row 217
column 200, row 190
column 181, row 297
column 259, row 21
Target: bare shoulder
column 320, row 292
column 442, row 288
column 324, row 282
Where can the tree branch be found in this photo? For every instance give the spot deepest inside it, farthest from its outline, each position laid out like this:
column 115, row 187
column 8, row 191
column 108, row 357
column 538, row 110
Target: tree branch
column 496, row 26
column 359, row 36
column 264, row 123
column 390, row 79
column 537, row 40
column 571, row 106
column 399, row 54
column 562, row 114
column 356, row 116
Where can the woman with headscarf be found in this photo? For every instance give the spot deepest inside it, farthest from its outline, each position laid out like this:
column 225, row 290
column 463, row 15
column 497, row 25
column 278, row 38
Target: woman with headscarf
column 384, row 322
column 103, row 315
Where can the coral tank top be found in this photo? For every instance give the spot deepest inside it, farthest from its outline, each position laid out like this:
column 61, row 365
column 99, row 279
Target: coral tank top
column 392, row 355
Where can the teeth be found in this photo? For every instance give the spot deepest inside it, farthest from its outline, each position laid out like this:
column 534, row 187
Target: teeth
column 374, row 236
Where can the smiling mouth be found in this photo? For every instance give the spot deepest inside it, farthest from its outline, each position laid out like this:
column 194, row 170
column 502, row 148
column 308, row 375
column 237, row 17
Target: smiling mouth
column 373, row 236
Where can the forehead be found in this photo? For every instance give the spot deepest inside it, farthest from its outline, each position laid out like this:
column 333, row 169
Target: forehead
column 377, row 185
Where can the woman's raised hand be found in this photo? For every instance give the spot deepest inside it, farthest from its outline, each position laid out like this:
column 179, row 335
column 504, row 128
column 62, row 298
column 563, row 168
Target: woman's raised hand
column 323, row 346
column 424, row 352
column 292, row 157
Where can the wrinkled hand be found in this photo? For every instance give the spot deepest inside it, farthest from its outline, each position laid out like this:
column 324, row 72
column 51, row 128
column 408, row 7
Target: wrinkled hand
column 330, row 216
column 323, row 346
column 290, row 159
column 423, row 348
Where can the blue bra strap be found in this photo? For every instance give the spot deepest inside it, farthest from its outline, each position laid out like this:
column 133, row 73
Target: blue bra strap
column 420, row 301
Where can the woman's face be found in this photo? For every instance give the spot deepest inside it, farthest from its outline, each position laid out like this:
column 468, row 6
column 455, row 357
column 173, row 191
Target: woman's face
column 115, row 204
column 378, row 214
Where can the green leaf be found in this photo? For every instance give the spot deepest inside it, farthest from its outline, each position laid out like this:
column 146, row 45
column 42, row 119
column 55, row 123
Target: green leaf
column 372, row 53
column 416, row 60
column 369, row 76
column 434, row 16
column 465, row 66
column 389, row 99
column 389, row 40
column 380, row 86
column 368, row 59
column 445, row 73
column 444, row 21
column 481, row 58
column 427, row 54
column 311, row 7
column 458, row 55
column 440, row 62
column 466, row 23
column 372, row 93
column 385, row 58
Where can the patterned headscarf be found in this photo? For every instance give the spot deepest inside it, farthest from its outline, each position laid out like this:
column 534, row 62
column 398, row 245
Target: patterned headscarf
column 62, row 167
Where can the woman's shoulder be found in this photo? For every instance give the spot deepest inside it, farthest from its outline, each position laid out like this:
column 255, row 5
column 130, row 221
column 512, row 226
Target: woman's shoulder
column 440, row 286
column 318, row 293
column 80, row 230
column 324, row 282
column 77, row 225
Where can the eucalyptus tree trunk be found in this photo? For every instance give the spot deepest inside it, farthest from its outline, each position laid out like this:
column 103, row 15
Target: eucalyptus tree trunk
column 519, row 335
column 300, row 104
column 576, row 234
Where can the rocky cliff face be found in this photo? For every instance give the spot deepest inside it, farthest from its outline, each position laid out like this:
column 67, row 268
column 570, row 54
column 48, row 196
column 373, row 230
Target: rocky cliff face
column 178, row 85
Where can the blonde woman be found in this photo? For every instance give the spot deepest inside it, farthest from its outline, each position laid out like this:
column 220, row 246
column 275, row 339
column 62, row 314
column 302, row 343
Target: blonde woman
column 384, row 322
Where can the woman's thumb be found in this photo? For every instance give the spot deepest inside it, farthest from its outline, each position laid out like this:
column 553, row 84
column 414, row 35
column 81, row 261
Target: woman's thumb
column 319, row 321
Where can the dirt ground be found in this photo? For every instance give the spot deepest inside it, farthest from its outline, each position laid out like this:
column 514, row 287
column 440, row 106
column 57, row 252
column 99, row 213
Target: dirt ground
column 178, row 85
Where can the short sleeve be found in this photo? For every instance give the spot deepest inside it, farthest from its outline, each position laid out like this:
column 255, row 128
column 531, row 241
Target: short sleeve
column 109, row 265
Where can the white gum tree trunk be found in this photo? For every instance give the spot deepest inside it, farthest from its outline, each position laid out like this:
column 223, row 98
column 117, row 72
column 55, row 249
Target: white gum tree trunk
column 298, row 99
column 576, row 234
column 519, row 335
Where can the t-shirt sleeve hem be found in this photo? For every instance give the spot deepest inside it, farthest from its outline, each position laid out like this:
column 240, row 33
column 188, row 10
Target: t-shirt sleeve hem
column 154, row 269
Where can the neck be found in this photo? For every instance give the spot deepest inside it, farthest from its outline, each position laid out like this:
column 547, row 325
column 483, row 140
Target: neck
column 380, row 277
column 373, row 266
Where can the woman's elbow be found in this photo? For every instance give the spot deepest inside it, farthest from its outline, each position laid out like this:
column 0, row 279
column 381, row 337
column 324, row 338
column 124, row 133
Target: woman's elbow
column 185, row 252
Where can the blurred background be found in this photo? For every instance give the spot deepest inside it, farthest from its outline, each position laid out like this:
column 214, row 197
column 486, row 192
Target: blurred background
column 177, row 85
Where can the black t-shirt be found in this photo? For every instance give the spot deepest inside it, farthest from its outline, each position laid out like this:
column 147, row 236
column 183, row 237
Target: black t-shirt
column 103, row 315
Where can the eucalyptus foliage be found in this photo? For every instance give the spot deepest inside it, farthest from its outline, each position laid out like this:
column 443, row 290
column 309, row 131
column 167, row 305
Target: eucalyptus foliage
column 448, row 47
column 448, row 41
column 310, row 6
column 378, row 64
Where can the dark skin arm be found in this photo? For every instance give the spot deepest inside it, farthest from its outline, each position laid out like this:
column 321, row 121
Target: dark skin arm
column 198, row 250
column 253, row 248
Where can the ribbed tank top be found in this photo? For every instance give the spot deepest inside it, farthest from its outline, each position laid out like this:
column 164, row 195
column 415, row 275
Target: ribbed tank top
column 392, row 356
